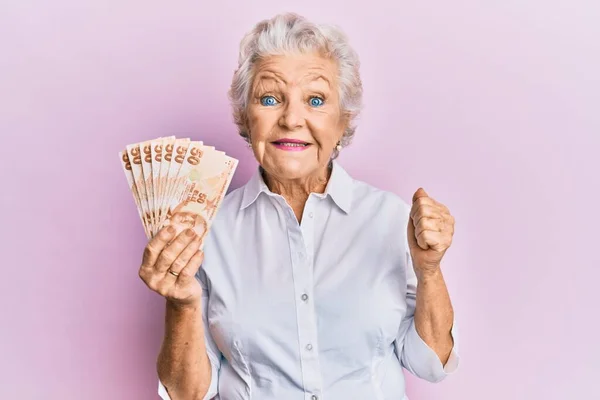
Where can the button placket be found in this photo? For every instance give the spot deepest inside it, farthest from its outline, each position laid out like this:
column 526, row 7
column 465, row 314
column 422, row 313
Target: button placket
column 300, row 242
column 308, row 228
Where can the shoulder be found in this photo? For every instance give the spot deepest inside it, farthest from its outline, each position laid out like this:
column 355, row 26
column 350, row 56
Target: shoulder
column 387, row 204
column 229, row 209
column 232, row 201
column 384, row 216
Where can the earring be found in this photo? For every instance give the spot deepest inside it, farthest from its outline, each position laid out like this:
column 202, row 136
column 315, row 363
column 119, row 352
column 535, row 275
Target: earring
column 339, row 146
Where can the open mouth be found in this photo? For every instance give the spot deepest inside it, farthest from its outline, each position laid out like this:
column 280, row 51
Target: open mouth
column 291, row 144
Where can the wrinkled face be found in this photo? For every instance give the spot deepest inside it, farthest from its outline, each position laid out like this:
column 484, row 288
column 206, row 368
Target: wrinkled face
column 294, row 115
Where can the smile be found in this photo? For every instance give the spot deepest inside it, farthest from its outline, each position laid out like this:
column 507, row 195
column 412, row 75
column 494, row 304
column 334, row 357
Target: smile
column 291, row 144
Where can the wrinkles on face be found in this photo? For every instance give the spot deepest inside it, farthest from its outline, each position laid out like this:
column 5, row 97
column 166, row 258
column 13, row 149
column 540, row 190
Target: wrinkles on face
column 295, row 97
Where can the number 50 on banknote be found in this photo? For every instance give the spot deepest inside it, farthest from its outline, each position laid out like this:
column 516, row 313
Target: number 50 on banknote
column 176, row 182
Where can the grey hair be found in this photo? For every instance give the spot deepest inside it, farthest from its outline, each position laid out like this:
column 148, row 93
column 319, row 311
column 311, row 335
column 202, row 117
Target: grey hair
column 288, row 33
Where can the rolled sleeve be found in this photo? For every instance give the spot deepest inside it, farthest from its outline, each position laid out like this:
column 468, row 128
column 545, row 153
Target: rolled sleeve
column 214, row 355
column 212, row 390
column 422, row 361
column 162, row 391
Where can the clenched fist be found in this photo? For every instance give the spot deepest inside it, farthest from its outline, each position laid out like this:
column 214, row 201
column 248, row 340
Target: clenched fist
column 170, row 263
column 430, row 231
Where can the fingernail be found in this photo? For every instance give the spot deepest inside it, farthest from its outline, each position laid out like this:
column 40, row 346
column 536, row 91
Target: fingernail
column 170, row 229
column 189, row 232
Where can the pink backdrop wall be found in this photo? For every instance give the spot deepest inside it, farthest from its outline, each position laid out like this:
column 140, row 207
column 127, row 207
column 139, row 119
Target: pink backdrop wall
column 492, row 107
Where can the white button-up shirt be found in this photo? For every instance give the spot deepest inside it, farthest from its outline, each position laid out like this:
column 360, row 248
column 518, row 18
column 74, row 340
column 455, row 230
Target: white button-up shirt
column 321, row 310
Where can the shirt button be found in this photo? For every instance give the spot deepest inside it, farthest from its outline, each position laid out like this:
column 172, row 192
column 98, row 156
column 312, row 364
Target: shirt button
column 304, row 297
column 309, row 347
column 314, row 397
column 311, row 215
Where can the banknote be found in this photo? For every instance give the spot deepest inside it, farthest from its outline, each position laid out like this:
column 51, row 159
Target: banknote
column 195, row 152
column 135, row 158
column 147, row 171
column 156, row 152
column 127, row 169
column 206, row 175
column 163, row 170
column 176, row 181
column 155, row 161
column 180, row 149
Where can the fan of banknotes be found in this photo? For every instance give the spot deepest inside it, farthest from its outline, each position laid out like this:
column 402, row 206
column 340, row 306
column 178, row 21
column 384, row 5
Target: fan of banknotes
column 177, row 182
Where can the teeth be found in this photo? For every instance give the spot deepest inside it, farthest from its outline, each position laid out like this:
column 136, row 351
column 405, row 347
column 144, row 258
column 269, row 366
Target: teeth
column 293, row 144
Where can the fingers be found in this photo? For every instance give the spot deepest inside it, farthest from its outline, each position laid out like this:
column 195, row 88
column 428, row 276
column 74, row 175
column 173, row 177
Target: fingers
column 438, row 241
column 432, row 223
column 189, row 271
column 429, row 239
column 170, row 253
column 426, row 207
column 428, row 224
column 156, row 245
column 154, row 248
column 184, row 257
column 421, row 196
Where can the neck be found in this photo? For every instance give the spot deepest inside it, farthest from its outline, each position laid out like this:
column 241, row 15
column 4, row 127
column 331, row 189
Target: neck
column 296, row 191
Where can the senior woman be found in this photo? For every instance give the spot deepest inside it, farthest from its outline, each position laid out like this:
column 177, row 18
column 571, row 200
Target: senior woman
column 310, row 284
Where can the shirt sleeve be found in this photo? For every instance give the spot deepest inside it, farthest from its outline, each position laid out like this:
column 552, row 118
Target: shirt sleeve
column 214, row 355
column 414, row 354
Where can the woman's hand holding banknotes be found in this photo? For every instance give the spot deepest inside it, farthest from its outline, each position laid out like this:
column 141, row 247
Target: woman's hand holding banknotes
column 169, row 266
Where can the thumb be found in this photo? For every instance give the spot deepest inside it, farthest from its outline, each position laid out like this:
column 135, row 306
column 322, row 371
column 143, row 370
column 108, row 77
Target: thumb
column 412, row 240
column 418, row 194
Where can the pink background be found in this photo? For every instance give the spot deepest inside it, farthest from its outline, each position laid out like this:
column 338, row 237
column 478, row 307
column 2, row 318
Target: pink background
column 492, row 107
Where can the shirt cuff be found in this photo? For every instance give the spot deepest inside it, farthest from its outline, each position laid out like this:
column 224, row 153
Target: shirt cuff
column 162, row 391
column 212, row 390
column 422, row 360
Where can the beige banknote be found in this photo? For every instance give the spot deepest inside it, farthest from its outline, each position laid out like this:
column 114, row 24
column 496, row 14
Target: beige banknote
column 127, row 169
column 169, row 170
column 180, row 149
column 156, row 160
column 196, row 150
column 146, row 148
column 160, row 174
column 164, row 173
column 135, row 158
column 176, row 181
column 207, row 173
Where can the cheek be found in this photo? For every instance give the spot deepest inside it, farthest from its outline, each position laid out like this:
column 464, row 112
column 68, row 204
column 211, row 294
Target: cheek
column 327, row 129
column 260, row 123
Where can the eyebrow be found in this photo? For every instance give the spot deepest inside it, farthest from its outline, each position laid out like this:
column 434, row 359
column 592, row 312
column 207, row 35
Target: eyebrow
column 317, row 76
column 270, row 75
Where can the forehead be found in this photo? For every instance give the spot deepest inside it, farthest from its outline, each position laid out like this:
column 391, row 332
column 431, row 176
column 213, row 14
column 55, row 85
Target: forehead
column 294, row 69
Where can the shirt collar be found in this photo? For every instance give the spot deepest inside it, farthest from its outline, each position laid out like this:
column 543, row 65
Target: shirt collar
column 339, row 188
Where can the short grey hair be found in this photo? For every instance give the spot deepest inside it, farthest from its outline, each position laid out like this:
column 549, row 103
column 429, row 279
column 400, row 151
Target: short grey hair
column 289, row 33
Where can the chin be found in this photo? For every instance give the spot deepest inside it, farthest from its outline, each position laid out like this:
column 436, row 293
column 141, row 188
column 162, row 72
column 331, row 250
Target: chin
column 294, row 168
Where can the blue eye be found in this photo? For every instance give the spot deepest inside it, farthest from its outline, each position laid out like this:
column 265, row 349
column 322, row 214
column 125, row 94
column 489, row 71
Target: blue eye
column 268, row 101
column 316, row 101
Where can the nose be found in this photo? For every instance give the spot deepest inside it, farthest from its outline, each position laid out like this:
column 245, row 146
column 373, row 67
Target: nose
column 292, row 116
